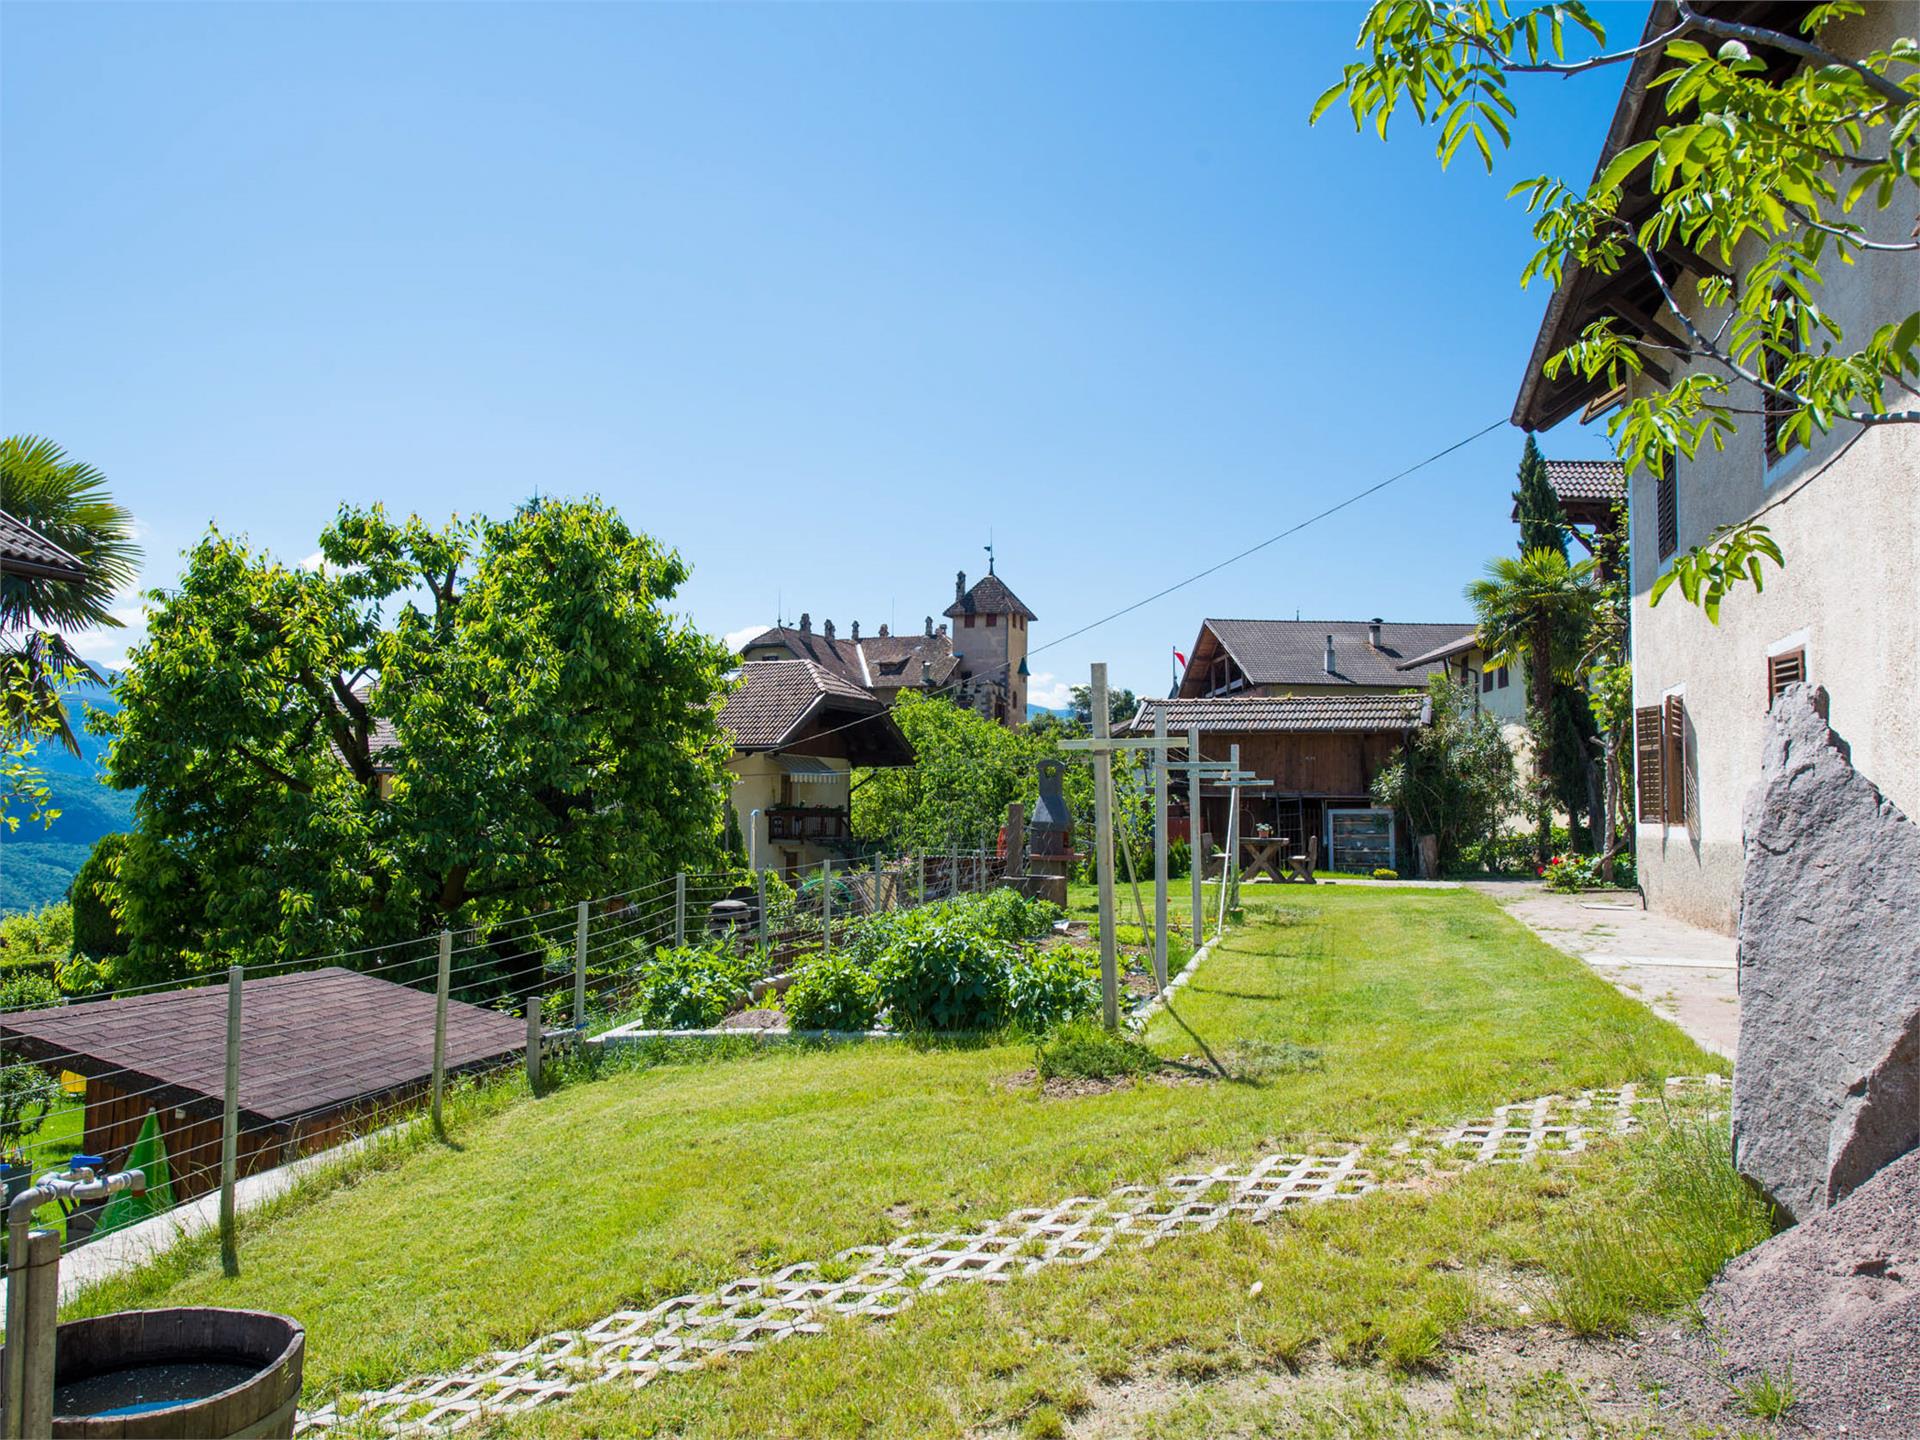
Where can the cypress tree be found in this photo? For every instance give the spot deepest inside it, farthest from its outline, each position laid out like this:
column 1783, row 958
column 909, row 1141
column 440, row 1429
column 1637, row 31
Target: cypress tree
column 1543, row 526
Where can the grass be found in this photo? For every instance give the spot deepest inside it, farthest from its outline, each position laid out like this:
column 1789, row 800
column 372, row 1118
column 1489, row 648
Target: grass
column 1767, row 1396
column 1086, row 1050
column 1415, row 1006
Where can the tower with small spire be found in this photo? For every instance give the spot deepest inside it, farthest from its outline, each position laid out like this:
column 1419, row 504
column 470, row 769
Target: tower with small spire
column 990, row 643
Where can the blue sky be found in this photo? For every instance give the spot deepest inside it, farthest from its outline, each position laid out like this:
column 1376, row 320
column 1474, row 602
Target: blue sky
column 815, row 294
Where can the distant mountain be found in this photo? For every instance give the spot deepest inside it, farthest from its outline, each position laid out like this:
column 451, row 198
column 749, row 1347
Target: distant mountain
column 1035, row 711
column 37, row 862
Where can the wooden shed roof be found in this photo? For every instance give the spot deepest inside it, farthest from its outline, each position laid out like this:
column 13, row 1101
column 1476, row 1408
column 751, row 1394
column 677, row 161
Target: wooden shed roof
column 310, row 1042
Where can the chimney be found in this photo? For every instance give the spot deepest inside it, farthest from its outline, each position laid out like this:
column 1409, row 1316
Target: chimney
column 1329, row 660
column 959, row 586
column 826, row 629
column 1373, row 632
column 883, row 632
column 856, row 632
column 806, row 623
column 929, row 627
column 943, row 629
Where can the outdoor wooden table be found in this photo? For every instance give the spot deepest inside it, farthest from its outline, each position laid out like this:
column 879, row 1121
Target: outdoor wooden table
column 1262, row 858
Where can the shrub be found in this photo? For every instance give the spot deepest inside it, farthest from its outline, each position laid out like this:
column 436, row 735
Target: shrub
column 95, row 930
column 26, row 1095
column 37, row 939
column 941, row 974
column 27, row 990
column 1006, row 914
column 1385, row 874
column 1567, row 874
column 832, row 992
column 1085, row 1050
column 692, row 987
column 1048, row 987
column 1179, row 859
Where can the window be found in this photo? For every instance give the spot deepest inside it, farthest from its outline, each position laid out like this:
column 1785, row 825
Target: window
column 1784, row 670
column 1665, row 770
column 969, row 622
column 1494, row 679
column 1774, row 412
column 1666, row 504
column 1501, row 677
column 990, row 620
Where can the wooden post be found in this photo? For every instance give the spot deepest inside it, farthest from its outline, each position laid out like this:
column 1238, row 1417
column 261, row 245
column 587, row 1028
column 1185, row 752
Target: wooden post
column 580, row 970
column 230, row 1127
column 1198, row 881
column 1160, row 852
column 1103, row 847
column 1229, row 862
column 953, row 864
column 826, row 906
column 533, row 1042
column 37, row 1330
column 440, row 1032
column 679, row 908
column 1016, row 840
column 919, row 878
column 879, row 882
column 760, row 908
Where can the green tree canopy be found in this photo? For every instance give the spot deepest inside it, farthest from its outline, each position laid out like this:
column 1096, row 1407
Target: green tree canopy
column 1455, row 779
column 437, row 727
column 1543, row 525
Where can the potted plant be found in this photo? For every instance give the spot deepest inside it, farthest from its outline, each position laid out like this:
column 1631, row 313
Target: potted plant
column 26, row 1095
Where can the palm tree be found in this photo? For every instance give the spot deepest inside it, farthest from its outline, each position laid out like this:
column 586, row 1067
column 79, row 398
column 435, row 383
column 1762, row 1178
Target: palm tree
column 1535, row 607
column 66, row 502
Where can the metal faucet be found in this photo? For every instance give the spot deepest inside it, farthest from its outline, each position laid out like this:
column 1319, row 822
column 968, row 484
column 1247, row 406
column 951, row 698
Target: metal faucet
column 33, row 1315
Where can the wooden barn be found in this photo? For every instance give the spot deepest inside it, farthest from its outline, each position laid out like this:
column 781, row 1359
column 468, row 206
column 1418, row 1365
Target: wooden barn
column 1317, row 754
column 321, row 1052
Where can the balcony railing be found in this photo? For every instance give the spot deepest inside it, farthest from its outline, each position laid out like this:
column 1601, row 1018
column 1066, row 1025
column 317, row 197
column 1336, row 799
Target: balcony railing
column 807, row 825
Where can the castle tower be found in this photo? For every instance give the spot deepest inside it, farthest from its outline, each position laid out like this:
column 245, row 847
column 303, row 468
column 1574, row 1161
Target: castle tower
column 990, row 642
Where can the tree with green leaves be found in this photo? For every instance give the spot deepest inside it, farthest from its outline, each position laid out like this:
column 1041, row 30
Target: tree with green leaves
column 1536, row 607
column 1121, row 706
column 1608, row 668
column 1454, row 780
column 1780, row 144
column 65, row 502
column 465, row 726
column 1543, row 525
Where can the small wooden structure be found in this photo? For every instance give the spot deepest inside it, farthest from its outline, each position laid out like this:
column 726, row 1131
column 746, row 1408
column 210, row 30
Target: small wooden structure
column 322, row 1053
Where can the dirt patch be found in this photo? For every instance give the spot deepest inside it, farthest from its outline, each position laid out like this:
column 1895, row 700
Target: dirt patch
column 1833, row 1303
column 754, row 1020
column 1065, row 1087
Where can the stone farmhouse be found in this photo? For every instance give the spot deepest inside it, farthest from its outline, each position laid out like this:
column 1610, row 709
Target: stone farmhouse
column 1843, row 614
column 980, row 663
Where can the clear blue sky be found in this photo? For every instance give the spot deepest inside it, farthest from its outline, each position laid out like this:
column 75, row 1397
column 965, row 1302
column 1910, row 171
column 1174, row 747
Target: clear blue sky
column 813, row 293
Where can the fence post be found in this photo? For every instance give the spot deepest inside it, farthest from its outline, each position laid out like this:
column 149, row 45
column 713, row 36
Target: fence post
column 533, row 1042
column 230, row 1127
column 580, row 970
column 879, row 881
column 919, row 878
column 1197, row 876
column 440, row 1032
column 679, row 908
column 826, row 906
column 953, row 866
column 760, row 907
column 35, row 1332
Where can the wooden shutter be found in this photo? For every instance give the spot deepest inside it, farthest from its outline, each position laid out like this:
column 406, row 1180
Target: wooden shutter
column 1667, row 504
column 1784, row 670
column 1673, row 760
column 1647, row 748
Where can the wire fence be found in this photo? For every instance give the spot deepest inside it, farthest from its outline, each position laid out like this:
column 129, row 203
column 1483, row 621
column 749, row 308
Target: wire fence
column 237, row 1075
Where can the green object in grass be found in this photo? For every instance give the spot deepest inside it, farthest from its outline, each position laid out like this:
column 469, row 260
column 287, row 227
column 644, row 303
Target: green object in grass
column 149, row 1156
column 1385, row 874
column 1085, row 1050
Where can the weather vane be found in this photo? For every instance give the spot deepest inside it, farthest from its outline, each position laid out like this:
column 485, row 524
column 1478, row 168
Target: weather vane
column 988, row 547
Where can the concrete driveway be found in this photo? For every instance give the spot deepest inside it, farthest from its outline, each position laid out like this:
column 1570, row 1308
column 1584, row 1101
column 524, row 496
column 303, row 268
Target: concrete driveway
column 1682, row 972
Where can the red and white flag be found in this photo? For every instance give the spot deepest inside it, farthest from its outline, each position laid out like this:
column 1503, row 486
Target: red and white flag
column 1181, row 658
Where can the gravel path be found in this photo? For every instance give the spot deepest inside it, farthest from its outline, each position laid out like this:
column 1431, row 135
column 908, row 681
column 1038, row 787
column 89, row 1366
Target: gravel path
column 1835, row 1301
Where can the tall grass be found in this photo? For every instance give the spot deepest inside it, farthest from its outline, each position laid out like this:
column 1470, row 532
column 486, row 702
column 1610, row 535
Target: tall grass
column 1683, row 1212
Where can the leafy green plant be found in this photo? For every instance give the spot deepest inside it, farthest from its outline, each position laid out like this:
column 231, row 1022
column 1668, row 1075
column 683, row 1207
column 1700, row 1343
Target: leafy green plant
column 1047, row 987
column 1707, row 573
column 27, row 990
column 1766, row 1396
column 27, row 1093
column 943, row 975
column 1385, row 874
column 1087, row 1050
column 1006, row 914
column 692, row 987
column 831, row 992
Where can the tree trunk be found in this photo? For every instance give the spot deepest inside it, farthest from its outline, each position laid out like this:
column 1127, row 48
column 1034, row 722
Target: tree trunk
column 1610, row 762
column 1541, row 675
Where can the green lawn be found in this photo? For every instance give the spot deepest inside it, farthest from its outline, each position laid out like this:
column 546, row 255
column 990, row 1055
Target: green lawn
column 1410, row 1006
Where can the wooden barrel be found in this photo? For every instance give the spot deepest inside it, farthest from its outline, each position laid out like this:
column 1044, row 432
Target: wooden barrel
column 272, row 1347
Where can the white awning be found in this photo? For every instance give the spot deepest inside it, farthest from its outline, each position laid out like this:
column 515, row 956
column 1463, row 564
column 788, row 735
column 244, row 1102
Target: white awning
column 808, row 770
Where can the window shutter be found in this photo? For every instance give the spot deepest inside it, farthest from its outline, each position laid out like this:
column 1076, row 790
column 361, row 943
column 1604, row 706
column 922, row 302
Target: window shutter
column 1667, row 504
column 1784, row 670
column 1647, row 748
column 1673, row 761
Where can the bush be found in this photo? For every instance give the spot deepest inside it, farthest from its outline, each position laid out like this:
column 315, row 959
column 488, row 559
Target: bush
column 692, row 987
column 95, row 930
column 37, row 939
column 27, row 990
column 1048, row 987
column 1085, row 1050
column 1179, row 859
column 832, row 992
column 27, row 1093
column 1385, row 874
column 1006, row 914
column 942, row 974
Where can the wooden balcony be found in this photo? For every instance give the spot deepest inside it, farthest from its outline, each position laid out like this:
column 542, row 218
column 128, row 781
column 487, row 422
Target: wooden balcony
column 808, row 824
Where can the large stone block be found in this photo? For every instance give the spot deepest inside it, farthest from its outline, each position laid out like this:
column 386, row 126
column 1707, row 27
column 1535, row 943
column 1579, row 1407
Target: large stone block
column 1826, row 1081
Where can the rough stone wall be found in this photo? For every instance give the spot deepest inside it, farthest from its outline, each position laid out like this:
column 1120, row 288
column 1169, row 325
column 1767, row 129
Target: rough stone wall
column 1826, row 1086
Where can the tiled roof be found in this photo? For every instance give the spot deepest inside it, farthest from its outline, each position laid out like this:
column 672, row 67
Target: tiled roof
column 1459, row 645
column 25, row 551
column 989, row 596
column 837, row 654
column 882, row 662
column 1324, row 713
column 1588, row 479
column 775, row 696
column 1292, row 652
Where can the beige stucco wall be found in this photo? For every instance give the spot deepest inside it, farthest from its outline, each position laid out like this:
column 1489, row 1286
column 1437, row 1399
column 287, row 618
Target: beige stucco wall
column 1847, row 515
column 756, row 786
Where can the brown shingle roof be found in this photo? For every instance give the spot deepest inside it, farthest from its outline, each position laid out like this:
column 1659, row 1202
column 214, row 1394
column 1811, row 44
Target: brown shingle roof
column 309, row 1042
column 1292, row 652
column 25, row 551
column 1350, row 714
column 1587, row 479
column 989, row 596
column 837, row 654
column 775, row 697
